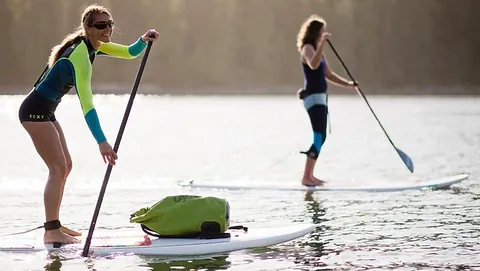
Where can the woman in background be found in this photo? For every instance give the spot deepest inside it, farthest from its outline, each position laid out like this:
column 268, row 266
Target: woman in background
column 310, row 43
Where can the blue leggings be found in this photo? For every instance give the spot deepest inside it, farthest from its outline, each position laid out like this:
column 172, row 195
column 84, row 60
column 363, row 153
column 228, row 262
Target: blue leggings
column 318, row 112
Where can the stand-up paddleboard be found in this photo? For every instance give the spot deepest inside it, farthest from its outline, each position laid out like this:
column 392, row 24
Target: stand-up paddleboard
column 115, row 244
column 440, row 183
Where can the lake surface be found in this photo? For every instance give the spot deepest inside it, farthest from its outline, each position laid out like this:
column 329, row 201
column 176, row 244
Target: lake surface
column 238, row 138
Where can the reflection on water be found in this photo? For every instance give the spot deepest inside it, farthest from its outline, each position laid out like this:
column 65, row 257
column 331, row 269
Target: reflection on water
column 213, row 263
column 315, row 245
column 54, row 264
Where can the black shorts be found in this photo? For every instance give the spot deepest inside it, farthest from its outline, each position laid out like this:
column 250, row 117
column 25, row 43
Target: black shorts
column 37, row 108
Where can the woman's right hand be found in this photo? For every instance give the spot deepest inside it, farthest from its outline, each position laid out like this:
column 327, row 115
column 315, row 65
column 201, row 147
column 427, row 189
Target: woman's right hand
column 107, row 153
column 325, row 36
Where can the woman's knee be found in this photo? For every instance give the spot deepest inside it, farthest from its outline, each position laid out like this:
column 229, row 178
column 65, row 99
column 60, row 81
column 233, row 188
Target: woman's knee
column 69, row 165
column 58, row 170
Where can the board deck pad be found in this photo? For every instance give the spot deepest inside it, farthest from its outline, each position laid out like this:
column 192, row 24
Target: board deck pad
column 439, row 183
column 129, row 244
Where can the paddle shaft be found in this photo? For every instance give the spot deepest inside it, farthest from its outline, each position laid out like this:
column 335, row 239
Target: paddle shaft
column 405, row 159
column 115, row 148
column 359, row 91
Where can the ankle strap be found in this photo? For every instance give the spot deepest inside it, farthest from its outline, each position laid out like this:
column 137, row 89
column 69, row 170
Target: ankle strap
column 52, row 225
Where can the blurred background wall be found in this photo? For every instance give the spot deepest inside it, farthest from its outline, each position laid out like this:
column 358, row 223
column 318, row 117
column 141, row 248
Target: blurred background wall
column 248, row 46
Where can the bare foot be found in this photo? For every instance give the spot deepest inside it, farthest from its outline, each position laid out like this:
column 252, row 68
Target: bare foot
column 319, row 181
column 56, row 236
column 70, row 232
column 312, row 182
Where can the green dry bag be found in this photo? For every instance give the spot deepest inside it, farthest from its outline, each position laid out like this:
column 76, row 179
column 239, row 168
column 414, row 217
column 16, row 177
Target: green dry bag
column 185, row 216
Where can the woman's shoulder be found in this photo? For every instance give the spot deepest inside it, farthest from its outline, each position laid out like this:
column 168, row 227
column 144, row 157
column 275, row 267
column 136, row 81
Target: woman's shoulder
column 309, row 45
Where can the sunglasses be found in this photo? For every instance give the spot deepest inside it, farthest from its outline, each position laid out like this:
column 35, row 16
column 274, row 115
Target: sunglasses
column 103, row 24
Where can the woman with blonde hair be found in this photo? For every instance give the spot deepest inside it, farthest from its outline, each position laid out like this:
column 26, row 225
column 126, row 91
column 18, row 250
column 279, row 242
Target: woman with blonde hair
column 310, row 43
column 70, row 65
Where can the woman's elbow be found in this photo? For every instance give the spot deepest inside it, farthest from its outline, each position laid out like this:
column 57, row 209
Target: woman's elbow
column 329, row 76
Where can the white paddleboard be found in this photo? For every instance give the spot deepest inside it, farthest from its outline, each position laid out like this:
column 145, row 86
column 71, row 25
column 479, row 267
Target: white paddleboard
column 115, row 244
column 440, row 183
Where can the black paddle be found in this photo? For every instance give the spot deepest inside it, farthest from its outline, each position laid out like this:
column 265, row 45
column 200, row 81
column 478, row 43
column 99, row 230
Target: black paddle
column 408, row 162
column 115, row 148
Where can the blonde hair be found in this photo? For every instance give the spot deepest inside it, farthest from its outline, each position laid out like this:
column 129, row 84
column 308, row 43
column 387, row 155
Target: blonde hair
column 88, row 17
column 309, row 31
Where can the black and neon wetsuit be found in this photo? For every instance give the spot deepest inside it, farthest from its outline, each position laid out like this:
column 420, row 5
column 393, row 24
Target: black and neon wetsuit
column 315, row 102
column 73, row 69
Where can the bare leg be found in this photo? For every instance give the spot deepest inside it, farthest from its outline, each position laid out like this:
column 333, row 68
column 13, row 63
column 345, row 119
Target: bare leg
column 308, row 178
column 47, row 143
column 69, row 164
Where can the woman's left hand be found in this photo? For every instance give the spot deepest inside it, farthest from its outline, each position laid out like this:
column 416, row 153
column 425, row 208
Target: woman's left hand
column 150, row 35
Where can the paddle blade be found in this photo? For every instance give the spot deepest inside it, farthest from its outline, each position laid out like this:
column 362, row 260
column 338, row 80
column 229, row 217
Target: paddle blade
column 408, row 162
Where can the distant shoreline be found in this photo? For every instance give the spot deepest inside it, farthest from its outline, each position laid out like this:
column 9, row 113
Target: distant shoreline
column 261, row 90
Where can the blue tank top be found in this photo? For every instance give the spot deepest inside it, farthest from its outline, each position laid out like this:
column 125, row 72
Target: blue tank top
column 314, row 80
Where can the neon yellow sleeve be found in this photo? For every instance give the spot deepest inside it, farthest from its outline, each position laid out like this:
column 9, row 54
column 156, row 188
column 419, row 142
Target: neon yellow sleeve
column 123, row 51
column 82, row 75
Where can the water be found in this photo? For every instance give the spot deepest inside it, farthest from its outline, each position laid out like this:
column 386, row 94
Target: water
column 168, row 139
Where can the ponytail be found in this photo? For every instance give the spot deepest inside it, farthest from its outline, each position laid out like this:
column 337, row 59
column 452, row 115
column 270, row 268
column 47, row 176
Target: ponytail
column 68, row 41
column 87, row 19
